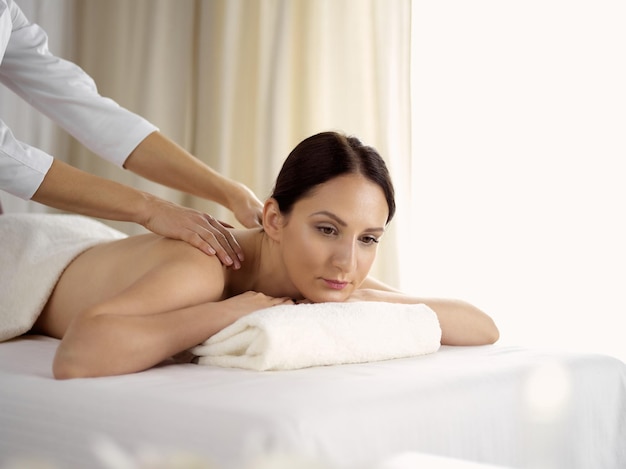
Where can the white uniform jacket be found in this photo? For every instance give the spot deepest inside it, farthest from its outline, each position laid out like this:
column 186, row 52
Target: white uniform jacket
column 66, row 94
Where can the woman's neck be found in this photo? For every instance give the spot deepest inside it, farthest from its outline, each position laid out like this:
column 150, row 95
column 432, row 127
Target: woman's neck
column 262, row 269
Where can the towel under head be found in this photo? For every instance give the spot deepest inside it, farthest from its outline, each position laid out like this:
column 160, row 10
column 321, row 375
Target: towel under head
column 298, row 336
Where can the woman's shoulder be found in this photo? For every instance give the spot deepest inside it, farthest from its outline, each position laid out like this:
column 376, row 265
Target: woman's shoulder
column 176, row 252
column 180, row 267
column 136, row 256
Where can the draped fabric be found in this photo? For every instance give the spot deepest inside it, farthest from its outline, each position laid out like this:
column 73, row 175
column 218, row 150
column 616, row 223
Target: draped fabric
column 239, row 83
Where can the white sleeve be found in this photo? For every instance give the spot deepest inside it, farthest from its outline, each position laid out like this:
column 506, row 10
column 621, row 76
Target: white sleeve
column 22, row 167
column 66, row 94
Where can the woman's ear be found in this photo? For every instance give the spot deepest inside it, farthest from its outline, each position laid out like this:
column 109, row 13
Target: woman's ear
column 273, row 219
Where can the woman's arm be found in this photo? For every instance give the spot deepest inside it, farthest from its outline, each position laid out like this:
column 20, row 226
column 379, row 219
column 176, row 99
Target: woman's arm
column 461, row 323
column 168, row 310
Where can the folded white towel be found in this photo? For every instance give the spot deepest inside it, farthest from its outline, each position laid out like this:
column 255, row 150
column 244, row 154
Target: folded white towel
column 298, row 336
column 34, row 251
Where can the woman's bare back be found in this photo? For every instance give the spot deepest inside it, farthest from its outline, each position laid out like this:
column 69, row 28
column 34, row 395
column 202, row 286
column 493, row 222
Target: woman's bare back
column 104, row 271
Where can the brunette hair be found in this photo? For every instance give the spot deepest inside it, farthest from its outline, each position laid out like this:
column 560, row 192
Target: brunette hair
column 325, row 156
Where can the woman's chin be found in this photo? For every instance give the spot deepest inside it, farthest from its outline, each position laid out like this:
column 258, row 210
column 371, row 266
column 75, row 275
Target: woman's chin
column 328, row 297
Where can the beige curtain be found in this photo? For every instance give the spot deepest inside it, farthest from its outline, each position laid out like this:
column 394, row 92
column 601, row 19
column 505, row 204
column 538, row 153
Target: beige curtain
column 240, row 82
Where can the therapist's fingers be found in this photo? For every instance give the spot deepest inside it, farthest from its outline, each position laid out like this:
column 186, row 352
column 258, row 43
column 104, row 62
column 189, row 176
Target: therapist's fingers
column 246, row 207
column 195, row 228
column 222, row 242
column 213, row 238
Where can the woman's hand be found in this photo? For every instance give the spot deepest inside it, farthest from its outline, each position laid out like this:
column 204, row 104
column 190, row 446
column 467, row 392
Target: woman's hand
column 196, row 228
column 248, row 302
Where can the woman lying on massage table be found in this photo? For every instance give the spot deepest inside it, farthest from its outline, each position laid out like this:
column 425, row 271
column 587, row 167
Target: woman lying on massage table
column 127, row 305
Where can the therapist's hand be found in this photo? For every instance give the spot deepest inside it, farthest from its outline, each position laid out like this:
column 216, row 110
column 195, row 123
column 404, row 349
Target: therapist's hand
column 196, row 228
column 159, row 159
column 70, row 189
column 245, row 205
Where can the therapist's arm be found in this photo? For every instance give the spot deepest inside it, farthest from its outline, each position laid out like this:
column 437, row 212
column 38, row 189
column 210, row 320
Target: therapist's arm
column 70, row 189
column 161, row 160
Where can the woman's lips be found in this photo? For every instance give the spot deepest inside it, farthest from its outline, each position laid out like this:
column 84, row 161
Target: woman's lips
column 335, row 284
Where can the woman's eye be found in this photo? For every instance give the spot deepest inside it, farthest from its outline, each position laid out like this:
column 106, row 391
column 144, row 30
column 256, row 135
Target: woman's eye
column 369, row 240
column 327, row 230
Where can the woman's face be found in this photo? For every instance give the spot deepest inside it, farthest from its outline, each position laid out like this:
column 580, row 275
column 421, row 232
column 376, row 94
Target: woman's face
column 330, row 239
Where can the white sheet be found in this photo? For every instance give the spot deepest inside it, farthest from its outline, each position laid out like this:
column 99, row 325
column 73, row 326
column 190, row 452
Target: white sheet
column 471, row 403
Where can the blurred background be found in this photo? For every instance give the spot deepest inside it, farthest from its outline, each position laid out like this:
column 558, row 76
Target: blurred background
column 503, row 125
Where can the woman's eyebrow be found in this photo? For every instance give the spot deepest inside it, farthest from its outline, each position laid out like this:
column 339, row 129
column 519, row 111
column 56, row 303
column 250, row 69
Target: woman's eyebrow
column 331, row 215
column 343, row 223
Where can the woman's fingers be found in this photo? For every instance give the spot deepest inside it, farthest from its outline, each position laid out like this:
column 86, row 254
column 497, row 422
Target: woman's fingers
column 250, row 301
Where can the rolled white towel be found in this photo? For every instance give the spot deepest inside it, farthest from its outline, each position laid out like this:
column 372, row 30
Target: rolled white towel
column 298, row 336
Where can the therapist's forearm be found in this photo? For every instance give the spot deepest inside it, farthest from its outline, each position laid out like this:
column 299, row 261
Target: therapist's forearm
column 70, row 189
column 161, row 160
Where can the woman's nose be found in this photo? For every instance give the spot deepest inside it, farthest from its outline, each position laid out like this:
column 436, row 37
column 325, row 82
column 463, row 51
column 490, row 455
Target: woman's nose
column 344, row 256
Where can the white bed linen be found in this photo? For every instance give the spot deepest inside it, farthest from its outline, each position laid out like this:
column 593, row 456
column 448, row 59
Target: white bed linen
column 461, row 402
